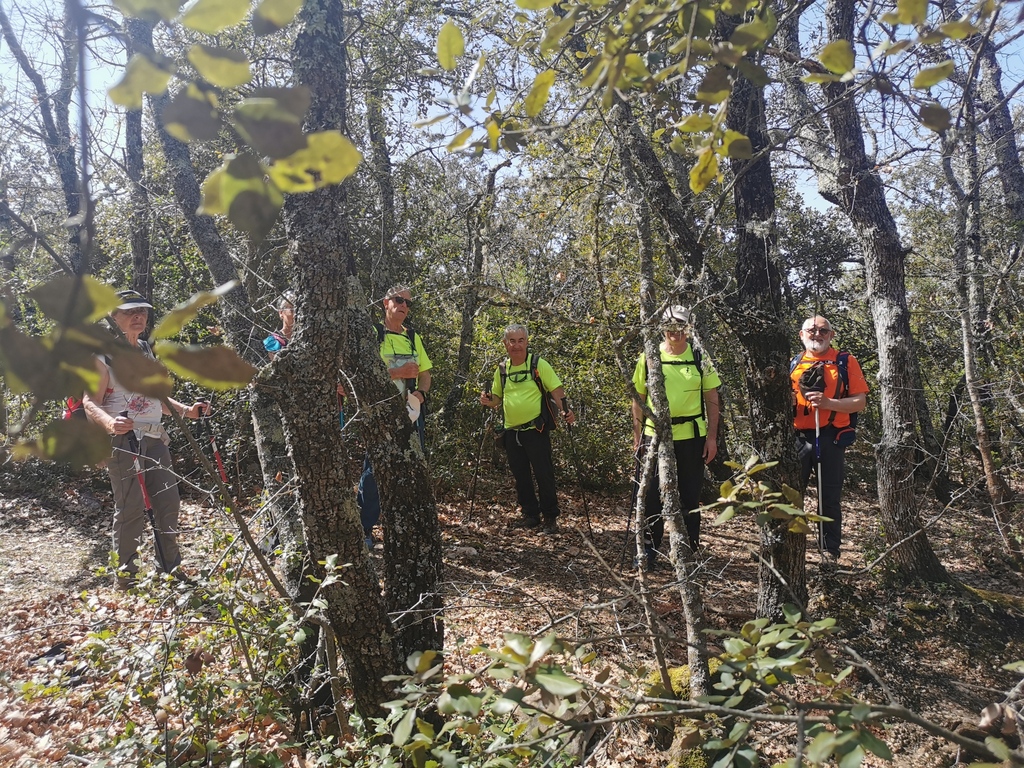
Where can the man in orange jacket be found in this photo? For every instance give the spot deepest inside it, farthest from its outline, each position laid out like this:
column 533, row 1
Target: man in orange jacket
column 822, row 420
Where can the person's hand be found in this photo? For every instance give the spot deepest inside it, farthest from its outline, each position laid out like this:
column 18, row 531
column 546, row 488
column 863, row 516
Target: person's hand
column 341, row 390
column 121, row 425
column 710, row 449
column 408, row 370
column 420, row 395
column 486, row 398
column 570, row 417
column 817, row 399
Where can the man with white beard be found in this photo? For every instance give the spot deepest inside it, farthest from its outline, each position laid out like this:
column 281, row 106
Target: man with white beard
column 828, row 388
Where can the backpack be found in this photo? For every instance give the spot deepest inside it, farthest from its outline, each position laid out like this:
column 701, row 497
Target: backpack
column 409, row 334
column 547, row 419
column 696, row 363
column 816, row 383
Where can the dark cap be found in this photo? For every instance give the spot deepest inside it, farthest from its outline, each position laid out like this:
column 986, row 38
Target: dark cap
column 132, row 300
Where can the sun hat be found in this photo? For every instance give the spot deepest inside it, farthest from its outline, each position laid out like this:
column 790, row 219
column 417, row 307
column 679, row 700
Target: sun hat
column 132, row 300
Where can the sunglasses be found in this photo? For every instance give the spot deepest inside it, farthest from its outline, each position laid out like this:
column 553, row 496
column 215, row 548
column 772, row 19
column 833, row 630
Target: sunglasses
column 816, row 331
column 401, row 300
column 518, row 377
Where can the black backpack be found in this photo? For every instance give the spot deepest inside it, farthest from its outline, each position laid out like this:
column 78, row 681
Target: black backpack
column 547, row 419
column 696, row 363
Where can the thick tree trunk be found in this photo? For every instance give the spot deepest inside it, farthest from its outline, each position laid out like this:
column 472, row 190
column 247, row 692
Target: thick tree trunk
column 847, row 178
column 765, row 342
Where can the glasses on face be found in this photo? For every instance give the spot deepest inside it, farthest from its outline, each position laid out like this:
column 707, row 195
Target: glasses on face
column 133, row 312
column 401, row 300
column 817, row 331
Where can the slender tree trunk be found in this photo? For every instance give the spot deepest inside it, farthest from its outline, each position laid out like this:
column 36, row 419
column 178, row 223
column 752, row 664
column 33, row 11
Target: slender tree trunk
column 385, row 269
column 140, row 37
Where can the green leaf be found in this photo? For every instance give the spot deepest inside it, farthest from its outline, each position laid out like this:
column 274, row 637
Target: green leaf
column 750, row 35
column 755, row 73
column 715, row 87
column 539, row 92
column 272, row 15
column 149, row 10
column 852, row 759
column 140, row 373
column 912, row 11
column 238, row 190
column 213, row 16
column 958, row 30
column 736, row 145
column 553, row 680
column 192, row 115
column 820, row 77
column 142, row 75
column 875, row 745
column 885, row 48
column 725, row 489
column 403, row 730
column 535, row 5
column 541, row 647
column 727, row 514
column 819, row 750
column 930, row 76
column 553, row 34
column 269, row 127
column 997, row 747
column 295, row 100
column 450, row 45
column 704, row 171
column 508, row 701
column 1014, row 666
column 93, row 300
column 77, row 441
column 460, row 140
column 329, row 158
column 223, row 67
column 217, row 367
column 696, row 123
column 935, row 117
column 172, row 323
column 837, row 57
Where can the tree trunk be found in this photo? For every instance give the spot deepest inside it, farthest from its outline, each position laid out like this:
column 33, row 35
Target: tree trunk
column 847, row 178
column 140, row 38
column 385, row 270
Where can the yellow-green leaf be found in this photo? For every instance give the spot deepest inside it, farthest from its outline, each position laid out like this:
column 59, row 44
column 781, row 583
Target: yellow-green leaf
column 696, row 123
column 912, row 11
column 935, row 116
column 269, row 127
column 958, row 30
column 539, row 92
column 172, row 323
column 930, row 76
column 239, row 190
column 141, row 76
column 534, row 5
column 192, row 115
column 821, row 77
column 223, row 67
column 272, row 15
column 493, row 134
column 554, row 33
column 450, row 45
column 837, row 57
column 149, row 10
column 329, row 158
column 751, row 34
column 715, row 87
column 460, row 140
column 216, row 367
column 735, row 144
column 213, row 16
column 76, row 441
column 885, row 49
column 138, row 373
column 704, row 171
column 92, row 299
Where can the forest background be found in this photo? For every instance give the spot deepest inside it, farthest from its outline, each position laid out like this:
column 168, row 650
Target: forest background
column 573, row 166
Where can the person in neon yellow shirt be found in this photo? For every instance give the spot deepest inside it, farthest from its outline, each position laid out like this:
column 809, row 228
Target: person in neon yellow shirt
column 527, row 440
column 691, row 386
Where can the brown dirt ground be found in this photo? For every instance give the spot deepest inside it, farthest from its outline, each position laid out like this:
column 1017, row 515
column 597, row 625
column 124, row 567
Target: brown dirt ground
column 938, row 653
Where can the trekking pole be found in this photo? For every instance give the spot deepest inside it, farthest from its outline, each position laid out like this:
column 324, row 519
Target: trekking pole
column 484, row 422
column 576, row 462
column 204, row 422
column 134, row 447
column 817, row 472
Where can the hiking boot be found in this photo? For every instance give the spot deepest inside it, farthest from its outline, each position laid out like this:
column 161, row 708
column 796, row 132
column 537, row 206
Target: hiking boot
column 531, row 523
column 549, row 527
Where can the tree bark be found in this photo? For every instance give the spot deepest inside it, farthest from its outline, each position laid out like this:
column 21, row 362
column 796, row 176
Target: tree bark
column 140, row 37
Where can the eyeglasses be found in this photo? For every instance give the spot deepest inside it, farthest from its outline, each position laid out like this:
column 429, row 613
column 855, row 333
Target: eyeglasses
column 518, row 377
column 134, row 311
column 817, row 331
column 401, row 300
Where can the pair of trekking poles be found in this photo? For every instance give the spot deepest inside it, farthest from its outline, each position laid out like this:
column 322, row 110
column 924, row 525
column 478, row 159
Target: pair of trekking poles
column 136, row 450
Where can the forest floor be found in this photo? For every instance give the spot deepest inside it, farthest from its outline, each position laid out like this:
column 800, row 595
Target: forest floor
column 938, row 651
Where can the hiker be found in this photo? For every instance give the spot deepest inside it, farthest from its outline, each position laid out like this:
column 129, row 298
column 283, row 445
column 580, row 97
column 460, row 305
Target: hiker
column 409, row 368
column 828, row 406
column 278, row 340
column 524, row 385
column 105, row 408
column 691, row 385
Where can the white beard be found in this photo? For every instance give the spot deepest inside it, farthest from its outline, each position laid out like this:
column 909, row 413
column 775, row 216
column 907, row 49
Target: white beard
column 816, row 346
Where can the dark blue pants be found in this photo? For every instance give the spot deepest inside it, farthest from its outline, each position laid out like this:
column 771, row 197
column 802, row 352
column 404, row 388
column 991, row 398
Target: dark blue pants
column 529, row 457
column 689, row 477
column 833, row 472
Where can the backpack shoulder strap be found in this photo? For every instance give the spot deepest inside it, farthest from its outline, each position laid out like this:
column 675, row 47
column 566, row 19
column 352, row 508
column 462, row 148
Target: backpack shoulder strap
column 534, row 362
column 503, row 370
column 795, row 362
column 379, row 328
column 843, row 365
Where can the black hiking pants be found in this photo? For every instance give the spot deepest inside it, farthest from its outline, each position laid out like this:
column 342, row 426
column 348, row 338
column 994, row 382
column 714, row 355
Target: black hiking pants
column 689, row 477
column 833, row 472
column 529, row 457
